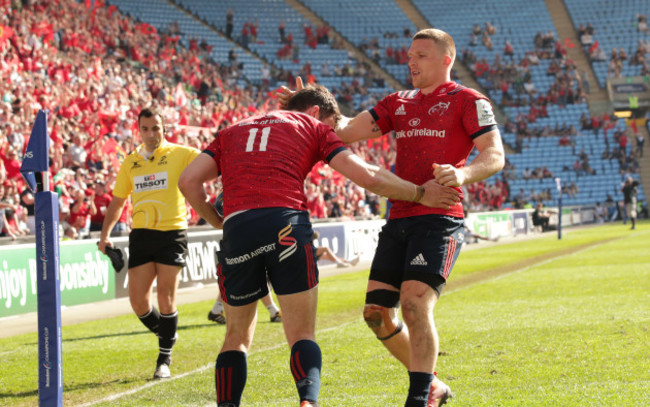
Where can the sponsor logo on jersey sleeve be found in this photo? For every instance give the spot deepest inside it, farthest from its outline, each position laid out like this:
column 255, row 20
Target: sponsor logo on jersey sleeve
column 484, row 113
column 151, row 182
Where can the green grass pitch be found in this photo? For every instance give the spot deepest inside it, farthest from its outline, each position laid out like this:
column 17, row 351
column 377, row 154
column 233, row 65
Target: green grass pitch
column 530, row 323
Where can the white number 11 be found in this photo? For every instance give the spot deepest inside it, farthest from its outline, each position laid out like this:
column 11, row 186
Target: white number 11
column 251, row 139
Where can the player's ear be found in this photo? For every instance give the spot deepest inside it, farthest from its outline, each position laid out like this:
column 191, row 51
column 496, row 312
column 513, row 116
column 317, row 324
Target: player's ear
column 447, row 60
column 314, row 111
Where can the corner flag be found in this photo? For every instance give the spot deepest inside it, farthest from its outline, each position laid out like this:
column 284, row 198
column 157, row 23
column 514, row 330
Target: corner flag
column 36, row 157
column 35, row 171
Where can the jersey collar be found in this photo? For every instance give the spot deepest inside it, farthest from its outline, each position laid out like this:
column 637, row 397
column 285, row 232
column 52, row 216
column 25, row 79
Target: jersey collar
column 162, row 145
column 444, row 88
column 441, row 90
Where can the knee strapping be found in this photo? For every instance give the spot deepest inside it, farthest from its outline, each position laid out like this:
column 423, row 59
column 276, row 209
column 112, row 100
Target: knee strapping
column 385, row 298
column 379, row 312
column 377, row 316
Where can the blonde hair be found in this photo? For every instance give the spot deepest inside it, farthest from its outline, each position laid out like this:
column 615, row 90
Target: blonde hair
column 441, row 38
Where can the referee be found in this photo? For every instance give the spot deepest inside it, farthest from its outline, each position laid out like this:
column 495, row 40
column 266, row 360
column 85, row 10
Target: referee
column 158, row 240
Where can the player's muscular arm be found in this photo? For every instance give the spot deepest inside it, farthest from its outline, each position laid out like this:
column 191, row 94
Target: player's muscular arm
column 489, row 161
column 201, row 170
column 384, row 182
column 361, row 127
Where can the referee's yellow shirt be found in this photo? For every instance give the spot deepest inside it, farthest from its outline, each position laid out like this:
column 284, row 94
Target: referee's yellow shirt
column 158, row 204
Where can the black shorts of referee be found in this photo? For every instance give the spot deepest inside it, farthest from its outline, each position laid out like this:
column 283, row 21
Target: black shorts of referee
column 164, row 247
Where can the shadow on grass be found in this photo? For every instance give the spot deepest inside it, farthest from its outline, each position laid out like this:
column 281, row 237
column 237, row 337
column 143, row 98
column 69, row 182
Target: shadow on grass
column 23, row 394
column 85, row 338
column 133, row 333
column 93, row 385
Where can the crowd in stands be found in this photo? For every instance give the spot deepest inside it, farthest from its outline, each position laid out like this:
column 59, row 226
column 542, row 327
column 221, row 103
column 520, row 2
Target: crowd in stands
column 94, row 73
column 512, row 80
column 617, row 57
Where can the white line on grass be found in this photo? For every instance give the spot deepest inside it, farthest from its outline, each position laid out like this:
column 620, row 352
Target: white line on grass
column 116, row 396
column 211, row 365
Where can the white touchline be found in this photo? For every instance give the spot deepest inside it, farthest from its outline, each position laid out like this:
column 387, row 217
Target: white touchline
column 116, row 396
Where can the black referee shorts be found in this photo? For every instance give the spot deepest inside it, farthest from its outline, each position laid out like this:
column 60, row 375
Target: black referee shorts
column 164, row 247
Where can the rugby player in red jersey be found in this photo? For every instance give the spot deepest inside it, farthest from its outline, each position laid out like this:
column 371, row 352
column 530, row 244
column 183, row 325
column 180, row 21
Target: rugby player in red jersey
column 436, row 127
column 263, row 162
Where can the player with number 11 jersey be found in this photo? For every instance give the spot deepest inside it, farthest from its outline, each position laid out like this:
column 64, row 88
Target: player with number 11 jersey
column 274, row 139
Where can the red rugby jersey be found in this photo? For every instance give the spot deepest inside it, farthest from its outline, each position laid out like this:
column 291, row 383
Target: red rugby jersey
column 435, row 128
column 264, row 160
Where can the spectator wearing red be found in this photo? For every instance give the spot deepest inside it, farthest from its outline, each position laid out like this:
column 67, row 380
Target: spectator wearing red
column 11, row 163
column 81, row 211
column 101, row 201
column 308, row 31
column 390, row 55
column 509, row 50
column 315, row 202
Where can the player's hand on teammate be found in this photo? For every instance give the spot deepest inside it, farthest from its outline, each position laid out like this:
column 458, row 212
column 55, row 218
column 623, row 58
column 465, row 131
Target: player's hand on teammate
column 439, row 196
column 284, row 93
column 448, row 175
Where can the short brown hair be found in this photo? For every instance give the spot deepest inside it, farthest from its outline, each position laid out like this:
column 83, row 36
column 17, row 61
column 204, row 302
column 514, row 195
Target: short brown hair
column 315, row 95
column 441, row 38
column 151, row 112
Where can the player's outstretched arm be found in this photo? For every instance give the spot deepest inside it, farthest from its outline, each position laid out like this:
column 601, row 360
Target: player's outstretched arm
column 361, row 127
column 200, row 170
column 384, row 182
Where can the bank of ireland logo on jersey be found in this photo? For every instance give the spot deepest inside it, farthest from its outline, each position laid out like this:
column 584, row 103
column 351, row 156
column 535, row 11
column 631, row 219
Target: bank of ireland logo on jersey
column 484, row 113
column 400, row 111
column 151, row 182
column 440, row 109
column 285, row 240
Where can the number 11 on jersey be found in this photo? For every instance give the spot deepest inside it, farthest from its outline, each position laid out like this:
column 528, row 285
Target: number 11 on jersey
column 250, row 144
